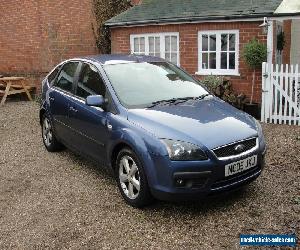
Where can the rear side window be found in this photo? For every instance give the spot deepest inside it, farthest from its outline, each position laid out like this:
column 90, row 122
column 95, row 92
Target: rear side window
column 90, row 82
column 66, row 76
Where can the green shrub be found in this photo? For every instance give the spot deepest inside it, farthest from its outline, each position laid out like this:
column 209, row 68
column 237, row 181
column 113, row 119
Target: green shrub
column 254, row 54
column 222, row 88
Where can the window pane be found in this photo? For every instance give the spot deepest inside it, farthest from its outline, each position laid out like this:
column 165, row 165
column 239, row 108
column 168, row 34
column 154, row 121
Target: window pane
column 231, row 60
column 136, row 48
column 167, row 56
column 212, row 42
column 232, row 42
column 204, row 42
column 157, row 46
column 142, row 45
column 224, row 60
column 167, row 43
column 151, row 45
column 90, row 82
column 174, row 43
column 66, row 75
column 204, row 60
column 224, row 42
column 52, row 76
column 212, row 60
column 174, row 58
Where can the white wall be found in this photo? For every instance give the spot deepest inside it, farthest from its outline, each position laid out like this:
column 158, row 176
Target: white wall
column 289, row 6
column 295, row 46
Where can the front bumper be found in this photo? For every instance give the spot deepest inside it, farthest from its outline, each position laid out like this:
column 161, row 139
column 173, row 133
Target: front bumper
column 195, row 180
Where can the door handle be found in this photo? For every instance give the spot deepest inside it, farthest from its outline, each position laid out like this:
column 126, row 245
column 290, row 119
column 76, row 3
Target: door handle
column 73, row 109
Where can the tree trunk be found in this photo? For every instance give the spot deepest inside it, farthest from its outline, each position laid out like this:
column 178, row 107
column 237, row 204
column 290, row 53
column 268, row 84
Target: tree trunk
column 252, row 90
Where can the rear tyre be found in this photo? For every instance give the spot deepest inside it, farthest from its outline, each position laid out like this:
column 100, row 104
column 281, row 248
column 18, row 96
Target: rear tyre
column 49, row 139
column 132, row 180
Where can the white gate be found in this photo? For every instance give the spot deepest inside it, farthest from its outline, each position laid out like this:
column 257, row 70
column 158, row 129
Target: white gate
column 280, row 94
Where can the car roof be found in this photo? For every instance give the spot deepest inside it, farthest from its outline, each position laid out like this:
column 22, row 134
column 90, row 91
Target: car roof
column 107, row 59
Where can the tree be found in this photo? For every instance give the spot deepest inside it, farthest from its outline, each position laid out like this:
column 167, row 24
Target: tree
column 104, row 10
column 255, row 53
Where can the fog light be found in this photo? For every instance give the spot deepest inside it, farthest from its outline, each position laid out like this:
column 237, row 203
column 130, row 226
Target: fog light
column 180, row 182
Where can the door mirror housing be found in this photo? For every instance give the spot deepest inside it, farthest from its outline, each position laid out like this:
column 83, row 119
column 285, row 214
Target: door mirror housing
column 96, row 101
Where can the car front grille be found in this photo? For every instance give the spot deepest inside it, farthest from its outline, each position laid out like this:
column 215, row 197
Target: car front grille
column 231, row 150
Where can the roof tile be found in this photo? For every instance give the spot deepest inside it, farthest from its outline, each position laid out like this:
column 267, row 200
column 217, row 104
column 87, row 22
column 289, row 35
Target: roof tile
column 153, row 11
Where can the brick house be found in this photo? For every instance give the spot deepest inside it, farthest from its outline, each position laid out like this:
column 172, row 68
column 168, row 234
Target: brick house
column 36, row 35
column 206, row 37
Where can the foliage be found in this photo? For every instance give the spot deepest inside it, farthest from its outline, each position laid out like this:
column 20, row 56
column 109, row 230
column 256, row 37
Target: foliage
column 280, row 41
column 255, row 53
column 222, row 88
column 104, row 10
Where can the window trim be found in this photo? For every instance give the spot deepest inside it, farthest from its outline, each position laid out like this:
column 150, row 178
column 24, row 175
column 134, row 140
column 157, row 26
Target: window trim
column 162, row 36
column 218, row 71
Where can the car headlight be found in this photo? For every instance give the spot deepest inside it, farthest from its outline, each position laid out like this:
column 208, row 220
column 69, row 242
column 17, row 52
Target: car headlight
column 261, row 138
column 259, row 128
column 183, row 151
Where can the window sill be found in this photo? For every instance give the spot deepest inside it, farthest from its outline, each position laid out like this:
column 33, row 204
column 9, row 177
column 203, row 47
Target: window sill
column 218, row 73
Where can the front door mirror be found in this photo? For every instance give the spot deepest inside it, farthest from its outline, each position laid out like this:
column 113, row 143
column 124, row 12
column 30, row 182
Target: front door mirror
column 95, row 101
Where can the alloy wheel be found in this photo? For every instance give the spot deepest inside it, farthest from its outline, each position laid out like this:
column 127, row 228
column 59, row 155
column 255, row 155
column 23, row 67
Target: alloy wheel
column 47, row 132
column 129, row 177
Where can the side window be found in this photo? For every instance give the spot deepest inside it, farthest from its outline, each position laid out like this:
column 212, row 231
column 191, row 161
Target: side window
column 52, row 76
column 90, row 82
column 66, row 76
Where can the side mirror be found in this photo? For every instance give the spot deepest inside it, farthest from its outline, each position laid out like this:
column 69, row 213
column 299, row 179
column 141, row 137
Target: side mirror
column 95, row 101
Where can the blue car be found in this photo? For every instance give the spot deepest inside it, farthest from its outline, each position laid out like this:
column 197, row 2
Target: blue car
column 161, row 132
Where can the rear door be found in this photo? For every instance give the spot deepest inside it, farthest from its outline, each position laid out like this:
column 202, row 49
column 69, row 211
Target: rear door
column 89, row 123
column 59, row 100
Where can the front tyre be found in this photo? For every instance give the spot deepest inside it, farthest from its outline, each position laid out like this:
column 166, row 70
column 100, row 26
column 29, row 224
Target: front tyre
column 131, row 178
column 49, row 139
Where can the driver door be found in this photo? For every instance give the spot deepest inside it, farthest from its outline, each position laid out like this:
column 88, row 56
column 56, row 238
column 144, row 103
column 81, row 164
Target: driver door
column 89, row 123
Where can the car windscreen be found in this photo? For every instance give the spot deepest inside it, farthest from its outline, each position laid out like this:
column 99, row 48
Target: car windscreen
column 138, row 85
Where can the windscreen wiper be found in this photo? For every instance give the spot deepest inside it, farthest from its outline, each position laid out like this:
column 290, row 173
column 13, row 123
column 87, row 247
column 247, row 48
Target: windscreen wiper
column 153, row 104
column 177, row 100
column 201, row 97
column 181, row 100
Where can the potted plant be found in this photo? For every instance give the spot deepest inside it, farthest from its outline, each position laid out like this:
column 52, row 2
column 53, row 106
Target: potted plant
column 255, row 53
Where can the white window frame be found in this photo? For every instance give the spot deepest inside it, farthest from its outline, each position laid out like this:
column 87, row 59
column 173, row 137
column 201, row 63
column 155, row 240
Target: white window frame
column 162, row 43
column 218, row 70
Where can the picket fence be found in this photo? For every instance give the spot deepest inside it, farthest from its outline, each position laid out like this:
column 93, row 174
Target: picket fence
column 280, row 94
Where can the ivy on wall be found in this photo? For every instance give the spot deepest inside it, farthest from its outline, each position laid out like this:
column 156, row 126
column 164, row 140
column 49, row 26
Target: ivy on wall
column 104, row 10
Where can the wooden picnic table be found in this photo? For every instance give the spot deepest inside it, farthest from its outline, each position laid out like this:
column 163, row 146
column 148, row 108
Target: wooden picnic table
column 12, row 86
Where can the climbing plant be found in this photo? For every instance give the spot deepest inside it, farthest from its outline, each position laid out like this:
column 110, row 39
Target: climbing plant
column 104, row 10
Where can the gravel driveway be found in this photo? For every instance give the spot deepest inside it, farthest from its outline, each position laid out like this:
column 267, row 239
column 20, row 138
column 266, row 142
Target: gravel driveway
column 61, row 200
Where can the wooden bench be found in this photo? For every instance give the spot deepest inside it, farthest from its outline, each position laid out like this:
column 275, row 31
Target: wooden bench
column 13, row 86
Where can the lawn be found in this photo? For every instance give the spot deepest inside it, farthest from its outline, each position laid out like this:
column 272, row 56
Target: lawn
column 64, row 201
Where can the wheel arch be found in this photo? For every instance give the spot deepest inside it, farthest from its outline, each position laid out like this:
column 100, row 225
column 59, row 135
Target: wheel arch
column 115, row 151
column 42, row 112
column 130, row 139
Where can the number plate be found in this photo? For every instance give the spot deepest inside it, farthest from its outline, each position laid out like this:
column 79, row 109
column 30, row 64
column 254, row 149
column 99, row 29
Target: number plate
column 240, row 166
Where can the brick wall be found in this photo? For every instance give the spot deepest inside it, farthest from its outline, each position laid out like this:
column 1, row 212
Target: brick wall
column 287, row 29
column 36, row 35
column 189, row 47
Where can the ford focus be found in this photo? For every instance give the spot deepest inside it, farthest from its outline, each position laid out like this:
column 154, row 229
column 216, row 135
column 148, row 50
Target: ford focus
column 160, row 131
